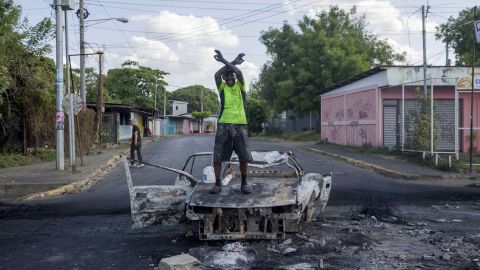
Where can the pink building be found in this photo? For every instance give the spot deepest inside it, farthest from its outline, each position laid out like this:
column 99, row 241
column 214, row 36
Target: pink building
column 371, row 108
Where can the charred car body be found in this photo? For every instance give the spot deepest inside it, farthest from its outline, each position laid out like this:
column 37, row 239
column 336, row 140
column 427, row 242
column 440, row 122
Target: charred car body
column 283, row 198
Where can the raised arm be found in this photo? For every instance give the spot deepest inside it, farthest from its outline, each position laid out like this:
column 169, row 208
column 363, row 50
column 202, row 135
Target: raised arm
column 218, row 76
column 238, row 72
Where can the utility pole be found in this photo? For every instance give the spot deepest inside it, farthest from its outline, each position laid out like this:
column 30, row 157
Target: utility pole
column 473, row 86
column 71, row 116
column 424, row 34
column 201, row 109
column 165, row 111
column 447, row 61
column 82, row 54
column 155, row 107
column 100, row 97
column 201, row 100
column 59, row 116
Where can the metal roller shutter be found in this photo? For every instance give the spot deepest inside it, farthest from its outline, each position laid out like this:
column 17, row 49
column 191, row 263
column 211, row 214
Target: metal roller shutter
column 444, row 114
column 390, row 126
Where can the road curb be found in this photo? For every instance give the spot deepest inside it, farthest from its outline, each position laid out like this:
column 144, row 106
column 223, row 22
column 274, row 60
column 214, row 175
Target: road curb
column 362, row 164
column 388, row 172
column 87, row 182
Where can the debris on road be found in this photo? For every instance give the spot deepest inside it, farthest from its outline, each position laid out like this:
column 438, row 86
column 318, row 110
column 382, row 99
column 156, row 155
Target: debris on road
column 287, row 242
column 179, row 262
column 288, row 250
column 233, row 247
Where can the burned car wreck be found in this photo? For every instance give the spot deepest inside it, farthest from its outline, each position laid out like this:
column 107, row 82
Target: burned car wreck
column 283, row 198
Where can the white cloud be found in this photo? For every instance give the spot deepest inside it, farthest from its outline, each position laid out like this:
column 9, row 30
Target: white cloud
column 201, row 31
column 387, row 21
column 154, row 49
column 182, row 46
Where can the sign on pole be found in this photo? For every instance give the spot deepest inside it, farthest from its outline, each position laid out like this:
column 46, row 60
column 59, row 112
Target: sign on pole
column 76, row 101
column 477, row 30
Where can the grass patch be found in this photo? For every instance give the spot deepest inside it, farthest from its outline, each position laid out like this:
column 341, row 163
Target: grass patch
column 458, row 166
column 8, row 160
column 296, row 136
column 463, row 164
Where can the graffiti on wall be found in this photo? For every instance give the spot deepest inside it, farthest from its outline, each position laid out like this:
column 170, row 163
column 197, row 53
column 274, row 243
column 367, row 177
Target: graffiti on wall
column 335, row 134
column 363, row 135
column 362, row 108
column 332, row 109
column 360, row 134
column 339, row 114
column 348, row 118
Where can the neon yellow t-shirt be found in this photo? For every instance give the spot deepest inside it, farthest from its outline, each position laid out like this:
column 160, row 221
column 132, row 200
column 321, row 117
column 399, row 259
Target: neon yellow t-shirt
column 232, row 101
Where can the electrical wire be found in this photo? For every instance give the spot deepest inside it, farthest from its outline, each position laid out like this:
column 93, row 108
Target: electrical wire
column 408, row 30
column 230, row 27
column 227, row 21
column 123, row 33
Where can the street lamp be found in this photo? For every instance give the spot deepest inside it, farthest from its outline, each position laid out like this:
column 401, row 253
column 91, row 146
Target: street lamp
column 82, row 15
column 155, row 108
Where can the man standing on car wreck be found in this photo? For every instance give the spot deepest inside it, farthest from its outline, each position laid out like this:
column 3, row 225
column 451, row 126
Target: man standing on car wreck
column 232, row 121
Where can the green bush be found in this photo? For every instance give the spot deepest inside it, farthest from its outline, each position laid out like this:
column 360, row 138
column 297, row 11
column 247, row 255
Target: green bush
column 8, row 160
column 420, row 138
column 45, row 154
column 273, row 131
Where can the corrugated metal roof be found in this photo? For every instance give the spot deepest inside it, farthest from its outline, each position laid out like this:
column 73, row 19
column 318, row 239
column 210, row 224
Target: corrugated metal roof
column 356, row 78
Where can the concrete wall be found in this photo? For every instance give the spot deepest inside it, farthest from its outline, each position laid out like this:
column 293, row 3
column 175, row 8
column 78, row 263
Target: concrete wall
column 186, row 127
column 351, row 117
column 179, row 108
column 125, row 132
column 287, row 122
column 159, row 124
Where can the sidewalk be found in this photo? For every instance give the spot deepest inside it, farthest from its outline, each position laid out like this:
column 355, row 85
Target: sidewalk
column 391, row 167
column 43, row 180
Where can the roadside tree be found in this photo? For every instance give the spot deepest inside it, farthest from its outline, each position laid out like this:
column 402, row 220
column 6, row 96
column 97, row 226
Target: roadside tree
column 193, row 95
column 332, row 46
column 136, row 85
column 257, row 114
column 458, row 34
column 27, row 80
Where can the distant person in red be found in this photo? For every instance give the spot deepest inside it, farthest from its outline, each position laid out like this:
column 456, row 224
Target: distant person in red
column 136, row 144
column 147, row 132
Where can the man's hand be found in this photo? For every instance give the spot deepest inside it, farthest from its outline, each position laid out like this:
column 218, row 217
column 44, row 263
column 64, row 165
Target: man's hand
column 219, row 56
column 239, row 59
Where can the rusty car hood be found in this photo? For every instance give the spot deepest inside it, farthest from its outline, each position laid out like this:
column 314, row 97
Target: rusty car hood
column 266, row 192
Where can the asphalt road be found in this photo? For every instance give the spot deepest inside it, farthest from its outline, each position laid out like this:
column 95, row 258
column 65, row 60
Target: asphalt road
column 91, row 230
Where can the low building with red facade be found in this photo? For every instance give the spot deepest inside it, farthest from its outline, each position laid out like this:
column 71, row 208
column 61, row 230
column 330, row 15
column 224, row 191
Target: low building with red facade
column 379, row 108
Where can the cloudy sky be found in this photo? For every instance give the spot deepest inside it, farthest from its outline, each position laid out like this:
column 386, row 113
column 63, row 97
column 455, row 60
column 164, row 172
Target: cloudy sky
column 179, row 36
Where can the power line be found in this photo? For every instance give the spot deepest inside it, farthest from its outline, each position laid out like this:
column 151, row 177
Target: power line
column 236, row 9
column 171, row 6
column 229, row 20
column 123, row 34
column 181, row 50
column 230, row 27
column 208, row 2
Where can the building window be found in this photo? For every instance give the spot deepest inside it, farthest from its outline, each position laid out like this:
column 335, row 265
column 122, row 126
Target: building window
column 176, row 108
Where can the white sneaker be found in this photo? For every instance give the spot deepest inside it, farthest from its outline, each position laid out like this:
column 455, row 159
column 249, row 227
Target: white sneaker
column 133, row 165
column 141, row 165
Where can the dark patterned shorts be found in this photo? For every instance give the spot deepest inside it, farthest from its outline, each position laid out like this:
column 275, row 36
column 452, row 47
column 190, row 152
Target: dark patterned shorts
column 229, row 138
